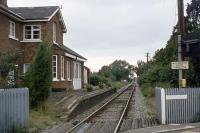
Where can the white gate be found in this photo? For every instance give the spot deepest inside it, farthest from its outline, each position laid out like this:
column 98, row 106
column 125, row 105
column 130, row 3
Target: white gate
column 178, row 105
column 77, row 76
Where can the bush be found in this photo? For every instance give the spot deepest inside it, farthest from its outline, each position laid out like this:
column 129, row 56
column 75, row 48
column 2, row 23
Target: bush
column 39, row 78
column 147, row 90
column 94, row 80
column 89, row 88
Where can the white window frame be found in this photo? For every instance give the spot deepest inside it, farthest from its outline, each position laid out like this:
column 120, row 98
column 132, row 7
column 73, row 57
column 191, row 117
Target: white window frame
column 56, row 66
column 12, row 30
column 62, row 68
column 24, row 67
column 11, row 77
column 32, row 35
column 54, row 33
column 77, row 70
column 68, row 71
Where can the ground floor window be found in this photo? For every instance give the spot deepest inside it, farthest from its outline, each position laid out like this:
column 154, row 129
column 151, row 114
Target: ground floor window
column 26, row 67
column 68, row 70
column 54, row 67
column 11, row 78
column 62, row 68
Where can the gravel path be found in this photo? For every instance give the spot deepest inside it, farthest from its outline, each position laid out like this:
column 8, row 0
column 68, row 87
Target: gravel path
column 138, row 108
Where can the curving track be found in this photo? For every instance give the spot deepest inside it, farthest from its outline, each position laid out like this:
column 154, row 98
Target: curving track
column 109, row 117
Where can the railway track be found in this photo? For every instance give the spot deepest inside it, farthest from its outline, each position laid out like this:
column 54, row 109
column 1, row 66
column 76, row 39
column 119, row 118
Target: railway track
column 109, row 117
column 115, row 115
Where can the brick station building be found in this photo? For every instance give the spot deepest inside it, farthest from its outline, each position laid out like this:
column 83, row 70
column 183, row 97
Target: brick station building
column 23, row 28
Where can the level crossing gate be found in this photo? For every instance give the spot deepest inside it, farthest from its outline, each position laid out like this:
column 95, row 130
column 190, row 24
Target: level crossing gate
column 178, row 105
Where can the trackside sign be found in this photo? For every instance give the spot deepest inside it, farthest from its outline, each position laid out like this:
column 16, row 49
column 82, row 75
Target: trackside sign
column 180, row 65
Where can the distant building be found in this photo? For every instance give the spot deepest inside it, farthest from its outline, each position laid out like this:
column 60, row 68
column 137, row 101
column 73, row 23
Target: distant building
column 23, row 28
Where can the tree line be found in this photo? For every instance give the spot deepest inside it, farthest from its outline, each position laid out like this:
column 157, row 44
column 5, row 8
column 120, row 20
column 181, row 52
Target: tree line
column 117, row 72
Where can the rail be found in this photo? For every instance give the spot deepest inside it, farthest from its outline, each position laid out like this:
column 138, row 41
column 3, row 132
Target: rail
column 124, row 111
column 103, row 106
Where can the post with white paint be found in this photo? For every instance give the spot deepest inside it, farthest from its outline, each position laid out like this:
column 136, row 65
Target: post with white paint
column 163, row 116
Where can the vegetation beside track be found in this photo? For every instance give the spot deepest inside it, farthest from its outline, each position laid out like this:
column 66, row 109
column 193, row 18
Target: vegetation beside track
column 157, row 72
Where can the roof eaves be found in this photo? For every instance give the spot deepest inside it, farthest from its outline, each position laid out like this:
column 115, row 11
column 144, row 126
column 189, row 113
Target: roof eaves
column 20, row 18
column 61, row 19
column 50, row 17
column 63, row 22
column 72, row 52
column 36, row 20
column 11, row 13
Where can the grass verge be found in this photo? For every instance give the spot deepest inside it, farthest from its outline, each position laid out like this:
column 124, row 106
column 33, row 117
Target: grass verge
column 149, row 92
column 42, row 118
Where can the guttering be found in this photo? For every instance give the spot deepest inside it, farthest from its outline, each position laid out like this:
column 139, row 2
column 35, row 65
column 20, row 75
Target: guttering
column 70, row 55
column 80, row 59
column 12, row 15
column 75, row 57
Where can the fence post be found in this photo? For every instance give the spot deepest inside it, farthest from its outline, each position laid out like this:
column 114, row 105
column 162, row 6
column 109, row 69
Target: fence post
column 163, row 115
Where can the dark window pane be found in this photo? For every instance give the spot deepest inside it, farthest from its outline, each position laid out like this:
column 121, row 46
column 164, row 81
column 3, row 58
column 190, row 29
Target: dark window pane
column 36, row 37
column 27, row 36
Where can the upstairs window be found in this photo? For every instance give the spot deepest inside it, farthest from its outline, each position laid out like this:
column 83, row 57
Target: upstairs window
column 12, row 29
column 32, row 32
column 54, row 32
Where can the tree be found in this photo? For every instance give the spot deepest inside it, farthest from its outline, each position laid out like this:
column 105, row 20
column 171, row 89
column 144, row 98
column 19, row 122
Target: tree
column 39, row 77
column 121, row 70
column 159, row 68
column 7, row 64
column 193, row 17
column 117, row 71
column 105, row 71
column 193, row 26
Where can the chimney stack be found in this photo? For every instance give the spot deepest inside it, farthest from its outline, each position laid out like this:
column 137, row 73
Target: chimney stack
column 4, row 3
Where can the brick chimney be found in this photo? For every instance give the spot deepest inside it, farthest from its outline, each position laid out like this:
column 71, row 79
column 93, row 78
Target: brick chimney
column 4, row 3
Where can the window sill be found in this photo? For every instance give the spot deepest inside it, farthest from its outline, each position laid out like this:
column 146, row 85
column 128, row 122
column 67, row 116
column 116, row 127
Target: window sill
column 55, row 43
column 14, row 38
column 56, row 80
column 62, row 79
column 31, row 41
column 69, row 80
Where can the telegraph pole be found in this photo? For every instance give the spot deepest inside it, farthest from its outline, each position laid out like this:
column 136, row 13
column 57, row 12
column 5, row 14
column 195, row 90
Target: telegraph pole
column 181, row 31
column 147, row 55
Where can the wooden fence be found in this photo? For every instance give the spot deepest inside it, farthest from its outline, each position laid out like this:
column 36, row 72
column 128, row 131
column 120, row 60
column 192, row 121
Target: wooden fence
column 14, row 109
column 176, row 105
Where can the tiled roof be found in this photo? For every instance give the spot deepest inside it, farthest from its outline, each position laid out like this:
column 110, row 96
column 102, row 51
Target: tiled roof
column 70, row 51
column 34, row 13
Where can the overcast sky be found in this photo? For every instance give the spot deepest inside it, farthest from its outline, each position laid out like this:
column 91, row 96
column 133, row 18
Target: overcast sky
column 105, row 30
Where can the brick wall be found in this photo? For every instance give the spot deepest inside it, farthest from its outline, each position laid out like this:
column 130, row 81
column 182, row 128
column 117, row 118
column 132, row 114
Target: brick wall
column 28, row 49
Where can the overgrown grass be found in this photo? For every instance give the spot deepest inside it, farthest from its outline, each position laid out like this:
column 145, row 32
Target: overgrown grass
column 148, row 91
column 151, row 103
column 43, row 117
